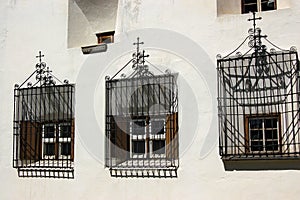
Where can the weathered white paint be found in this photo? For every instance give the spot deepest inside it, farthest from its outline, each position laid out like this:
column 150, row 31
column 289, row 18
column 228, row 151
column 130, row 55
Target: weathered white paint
column 29, row 26
column 86, row 18
column 228, row 7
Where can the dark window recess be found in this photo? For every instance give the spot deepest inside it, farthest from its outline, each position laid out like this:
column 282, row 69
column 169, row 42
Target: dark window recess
column 44, row 126
column 158, row 127
column 249, row 6
column 139, row 127
column 65, row 131
column 268, row 5
column 49, row 149
column 105, row 37
column 159, row 146
column 139, row 147
column 65, row 149
column 49, row 131
column 258, row 5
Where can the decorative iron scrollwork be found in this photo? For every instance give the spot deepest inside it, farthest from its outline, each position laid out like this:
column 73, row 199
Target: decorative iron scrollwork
column 43, row 75
column 138, row 64
column 258, row 66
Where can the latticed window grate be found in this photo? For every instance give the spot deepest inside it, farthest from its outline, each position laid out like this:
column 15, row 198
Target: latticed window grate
column 142, row 123
column 258, row 101
column 44, row 127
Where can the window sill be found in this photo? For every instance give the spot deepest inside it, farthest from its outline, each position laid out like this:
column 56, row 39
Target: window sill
column 145, row 163
column 67, row 173
column 154, row 168
column 98, row 48
column 46, row 164
column 261, row 163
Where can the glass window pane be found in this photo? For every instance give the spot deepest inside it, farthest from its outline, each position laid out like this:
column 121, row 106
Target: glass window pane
column 256, row 135
column 159, row 146
column 49, row 131
column 157, row 127
column 257, row 146
column 106, row 39
column 267, row 5
column 65, row 131
column 138, row 127
column 255, row 123
column 250, row 1
column 272, row 145
column 249, row 6
column 271, row 134
column 49, row 149
column 65, row 149
column 271, row 123
column 139, row 147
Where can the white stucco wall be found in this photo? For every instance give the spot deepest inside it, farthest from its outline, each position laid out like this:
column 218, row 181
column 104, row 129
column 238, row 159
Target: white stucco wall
column 191, row 37
column 86, row 18
column 228, row 7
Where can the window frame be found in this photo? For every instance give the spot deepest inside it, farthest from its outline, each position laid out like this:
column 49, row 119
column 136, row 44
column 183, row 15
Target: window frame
column 48, row 140
column 248, row 136
column 137, row 137
column 157, row 137
column 104, row 36
column 148, row 137
column 258, row 6
column 57, row 140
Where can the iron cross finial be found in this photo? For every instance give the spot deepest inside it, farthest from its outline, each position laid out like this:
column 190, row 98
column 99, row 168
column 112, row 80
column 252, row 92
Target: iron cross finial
column 40, row 56
column 138, row 44
column 254, row 20
column 256, row 33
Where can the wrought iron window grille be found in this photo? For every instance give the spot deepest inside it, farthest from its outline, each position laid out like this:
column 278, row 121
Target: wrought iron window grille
column 142, row 120
column 43, row 126
column 259, row 85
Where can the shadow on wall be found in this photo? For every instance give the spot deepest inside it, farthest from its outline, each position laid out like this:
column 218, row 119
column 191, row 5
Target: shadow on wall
column 290, row 163
column 86, row 18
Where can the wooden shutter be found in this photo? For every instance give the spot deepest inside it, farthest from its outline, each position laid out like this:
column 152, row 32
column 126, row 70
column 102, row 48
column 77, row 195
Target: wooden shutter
column 247, row 138
column 72, row 138
column 30, row 141
column 172, row 151
column 119, row 139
